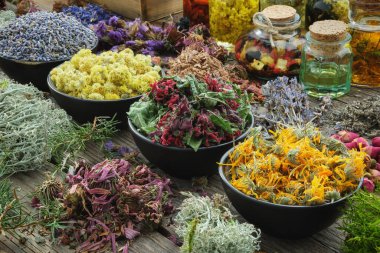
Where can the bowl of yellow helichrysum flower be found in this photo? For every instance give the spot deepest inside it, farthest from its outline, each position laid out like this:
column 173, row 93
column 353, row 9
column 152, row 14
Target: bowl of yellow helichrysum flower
column 293, row 184
column 91, row 85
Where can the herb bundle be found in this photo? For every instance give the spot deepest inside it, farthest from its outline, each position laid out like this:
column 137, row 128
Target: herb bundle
column 190, row 113
column 207, row 225
column 33, row 130
column 285, row 103
column 296, row 166
column 100, row 204
column 361, row 223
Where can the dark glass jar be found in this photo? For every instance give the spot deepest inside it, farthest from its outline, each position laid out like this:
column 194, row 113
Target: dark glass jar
column 196, row 11
column 269, row 55
column 317, row 10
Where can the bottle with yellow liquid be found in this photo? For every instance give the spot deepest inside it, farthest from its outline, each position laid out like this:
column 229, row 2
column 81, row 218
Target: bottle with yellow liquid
column 365, row 30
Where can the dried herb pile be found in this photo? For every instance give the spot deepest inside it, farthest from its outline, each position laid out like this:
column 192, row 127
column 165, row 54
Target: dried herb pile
column 206, row 225
column 106, row 76
column 27, row 122
column 285, row 103
column 186, row 112
column 297, row 166
column 361, row 223
column 88, row 15
column 361, row 117
column 140, row 36
column 199, row 36
column 44, row 36
column 198, row 62
column 33, row 130
column 101, row 204
column 202, row 57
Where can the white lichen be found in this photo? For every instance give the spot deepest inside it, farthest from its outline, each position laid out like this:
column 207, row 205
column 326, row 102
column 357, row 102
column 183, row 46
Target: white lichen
column 207, row 225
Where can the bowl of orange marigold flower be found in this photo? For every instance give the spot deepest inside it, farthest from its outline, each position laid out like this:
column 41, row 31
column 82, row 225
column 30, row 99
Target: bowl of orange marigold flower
column 294, row 183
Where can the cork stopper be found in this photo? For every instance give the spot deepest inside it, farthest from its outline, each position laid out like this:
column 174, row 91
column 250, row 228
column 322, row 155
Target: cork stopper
column 280, row 13
column 328, row 30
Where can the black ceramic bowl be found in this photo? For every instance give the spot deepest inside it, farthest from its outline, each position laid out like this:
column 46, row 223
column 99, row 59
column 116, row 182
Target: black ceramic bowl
column 85, row 110
column 31, row 72
column 183, row 162
column 291, row 222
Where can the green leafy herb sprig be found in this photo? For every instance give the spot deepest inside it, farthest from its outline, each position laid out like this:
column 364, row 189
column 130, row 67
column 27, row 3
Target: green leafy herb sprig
column 361, row 222
column 11, row 213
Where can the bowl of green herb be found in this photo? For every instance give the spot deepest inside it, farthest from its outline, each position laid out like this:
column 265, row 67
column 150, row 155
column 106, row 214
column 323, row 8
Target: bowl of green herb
column 184, row 125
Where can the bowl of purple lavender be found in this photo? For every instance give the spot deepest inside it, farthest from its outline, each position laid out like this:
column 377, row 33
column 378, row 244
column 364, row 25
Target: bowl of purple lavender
column 184, row 126
column 35, row 43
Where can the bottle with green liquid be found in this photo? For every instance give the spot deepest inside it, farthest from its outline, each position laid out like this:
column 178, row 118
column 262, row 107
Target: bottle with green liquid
column 326, row 64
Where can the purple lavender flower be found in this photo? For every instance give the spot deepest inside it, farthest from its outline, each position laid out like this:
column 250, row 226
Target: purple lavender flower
column 123, row 150
column 140, row 35
column 154, row 44
column 116, row 37
column 147, row 51
column 156, row 29
column 108, row 146
column 101, row 29
column 113, row 21
column 130, row 43
column 143, row 28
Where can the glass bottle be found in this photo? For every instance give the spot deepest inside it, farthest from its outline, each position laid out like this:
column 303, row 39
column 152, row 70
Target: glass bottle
column 317, row 10
column 267, row 60
column 299, row 5
column 327, row 60
column 230, row 18
column 196, row 11
column 365, row 31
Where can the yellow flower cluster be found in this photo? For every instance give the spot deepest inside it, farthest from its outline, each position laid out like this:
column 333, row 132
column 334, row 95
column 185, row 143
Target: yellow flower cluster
column 295, row 167
column 108, row 76
column 231, row 18
column 339, row 8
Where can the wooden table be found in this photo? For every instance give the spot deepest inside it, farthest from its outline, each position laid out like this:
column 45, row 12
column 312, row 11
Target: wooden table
column 327, row 241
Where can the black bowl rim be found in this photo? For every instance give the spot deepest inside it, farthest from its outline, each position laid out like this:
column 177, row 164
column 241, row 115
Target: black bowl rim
column 53, row 88
column 47, row 62
column 266, row 203
column 243, row 135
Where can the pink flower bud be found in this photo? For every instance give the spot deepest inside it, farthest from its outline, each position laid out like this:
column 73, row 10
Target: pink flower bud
column 368, row 185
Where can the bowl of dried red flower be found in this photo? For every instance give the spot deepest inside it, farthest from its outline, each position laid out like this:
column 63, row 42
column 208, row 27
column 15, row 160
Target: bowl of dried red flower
column 293, row 184
column 184, row 126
